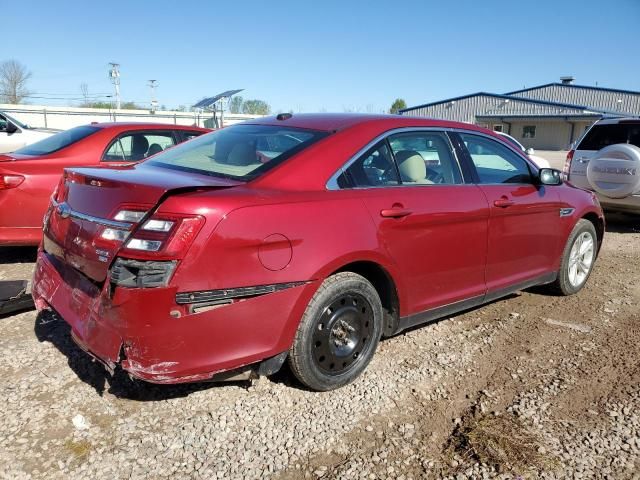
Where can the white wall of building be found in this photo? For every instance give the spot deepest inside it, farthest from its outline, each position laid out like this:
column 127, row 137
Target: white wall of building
column 63, row 118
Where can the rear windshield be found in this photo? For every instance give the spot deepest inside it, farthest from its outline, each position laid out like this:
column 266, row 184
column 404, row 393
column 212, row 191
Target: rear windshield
column 603, row 135
column 58, row 141
column 240, row 152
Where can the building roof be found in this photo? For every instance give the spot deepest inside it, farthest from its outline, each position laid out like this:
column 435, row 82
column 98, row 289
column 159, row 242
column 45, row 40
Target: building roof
column 571, row 85
column 507, row 97
column 574, row 116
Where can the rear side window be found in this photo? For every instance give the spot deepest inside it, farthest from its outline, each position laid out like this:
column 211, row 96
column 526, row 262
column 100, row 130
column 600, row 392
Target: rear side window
column 58, row 141
column 134, row 146
column 373, row 169
column 603, row 135
column 495, row 163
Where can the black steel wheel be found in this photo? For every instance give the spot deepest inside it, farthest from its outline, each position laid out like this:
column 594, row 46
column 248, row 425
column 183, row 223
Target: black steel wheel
column 338, row 334
column 342, row 332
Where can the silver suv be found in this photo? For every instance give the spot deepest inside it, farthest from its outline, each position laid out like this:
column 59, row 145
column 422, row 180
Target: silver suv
column 607, row 161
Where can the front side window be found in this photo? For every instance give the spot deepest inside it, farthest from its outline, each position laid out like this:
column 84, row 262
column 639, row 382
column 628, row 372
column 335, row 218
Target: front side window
column 425, row 158
column 373, row 169
column 529, row 131
column 495, row 163
column 6, row 118
column 135, row 146
column 240, row 152
column 58, row 141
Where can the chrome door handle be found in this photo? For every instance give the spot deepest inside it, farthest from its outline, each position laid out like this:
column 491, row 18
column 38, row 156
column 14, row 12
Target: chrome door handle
column 395, row 212
column 503, row 203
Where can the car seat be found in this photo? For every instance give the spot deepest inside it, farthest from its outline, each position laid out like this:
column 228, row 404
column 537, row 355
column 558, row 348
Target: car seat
column 242, row 154
column 412, row 167
column 139, row 147
column 153, row 149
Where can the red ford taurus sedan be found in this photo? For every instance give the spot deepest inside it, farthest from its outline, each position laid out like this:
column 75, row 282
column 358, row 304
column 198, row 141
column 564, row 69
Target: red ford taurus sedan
column 29, row 175
column 302, row 237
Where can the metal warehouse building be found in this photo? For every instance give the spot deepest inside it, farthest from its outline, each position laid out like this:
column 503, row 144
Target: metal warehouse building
column 548, row 117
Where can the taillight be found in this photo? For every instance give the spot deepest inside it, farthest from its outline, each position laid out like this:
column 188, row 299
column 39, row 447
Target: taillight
column 61, row 191
column 132, row 216
column 10, row 181
column 567, row 165
column 128, row 216
column 163, row 236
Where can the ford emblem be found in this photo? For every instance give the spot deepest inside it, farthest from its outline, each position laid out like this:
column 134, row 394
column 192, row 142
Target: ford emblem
column 64, row 210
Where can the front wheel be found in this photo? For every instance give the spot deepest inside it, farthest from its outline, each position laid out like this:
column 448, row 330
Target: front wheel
column 338, row 333
column 577, row 259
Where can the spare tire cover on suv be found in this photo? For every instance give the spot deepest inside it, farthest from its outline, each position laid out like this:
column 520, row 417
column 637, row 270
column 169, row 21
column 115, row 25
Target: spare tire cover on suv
column 615, row 171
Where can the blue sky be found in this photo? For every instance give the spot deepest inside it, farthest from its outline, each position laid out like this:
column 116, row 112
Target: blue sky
column 321, row 55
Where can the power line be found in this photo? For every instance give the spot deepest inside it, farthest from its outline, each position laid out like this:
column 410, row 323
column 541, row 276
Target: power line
column 43, row 97
column 67, row 94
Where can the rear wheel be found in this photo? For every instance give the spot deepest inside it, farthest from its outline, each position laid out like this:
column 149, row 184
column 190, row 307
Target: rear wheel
column 338, row 333
column 577, row 259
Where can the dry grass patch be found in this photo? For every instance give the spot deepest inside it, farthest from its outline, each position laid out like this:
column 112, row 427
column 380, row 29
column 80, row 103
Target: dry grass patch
column 79, row 449
column 501, row 441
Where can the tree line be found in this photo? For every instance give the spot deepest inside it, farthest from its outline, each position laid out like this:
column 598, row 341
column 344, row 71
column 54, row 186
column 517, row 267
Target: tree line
column 13, row 90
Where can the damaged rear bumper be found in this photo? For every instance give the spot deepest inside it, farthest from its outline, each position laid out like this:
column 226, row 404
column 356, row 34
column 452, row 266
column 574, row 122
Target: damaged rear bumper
column 81, row 304
column 156, row 339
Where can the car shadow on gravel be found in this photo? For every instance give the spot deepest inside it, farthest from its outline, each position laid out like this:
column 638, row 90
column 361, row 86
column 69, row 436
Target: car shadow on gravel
column 622, row 222
column 51, row 328
column 18, row 254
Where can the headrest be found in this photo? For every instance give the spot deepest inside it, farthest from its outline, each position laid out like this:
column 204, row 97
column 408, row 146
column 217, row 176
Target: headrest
column 139, row 145
column 411, row 166
column 153, row 149
column 242, row 154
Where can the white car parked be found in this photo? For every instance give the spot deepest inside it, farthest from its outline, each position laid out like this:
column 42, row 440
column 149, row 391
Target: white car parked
column 607, row 160
column 15, row 134
column 529, row 152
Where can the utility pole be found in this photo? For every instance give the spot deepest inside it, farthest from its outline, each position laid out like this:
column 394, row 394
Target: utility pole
column 114, row 76
column 154, row 103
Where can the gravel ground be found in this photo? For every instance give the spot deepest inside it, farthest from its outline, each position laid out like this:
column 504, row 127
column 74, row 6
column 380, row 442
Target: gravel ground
column 532, row 386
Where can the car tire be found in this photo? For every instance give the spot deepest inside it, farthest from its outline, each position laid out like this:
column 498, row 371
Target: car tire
column 575, row 267
column 338, row 334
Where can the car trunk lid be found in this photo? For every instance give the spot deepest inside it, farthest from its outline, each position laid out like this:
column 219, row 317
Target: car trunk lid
column 87, row 203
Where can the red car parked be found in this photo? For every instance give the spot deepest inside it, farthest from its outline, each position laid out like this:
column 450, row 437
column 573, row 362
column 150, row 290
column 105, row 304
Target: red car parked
column 29, row 175
column 302, row 236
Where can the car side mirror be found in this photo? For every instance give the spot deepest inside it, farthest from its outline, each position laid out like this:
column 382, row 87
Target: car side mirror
column 549, row 176
column 530, row 151
column 11, row 128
